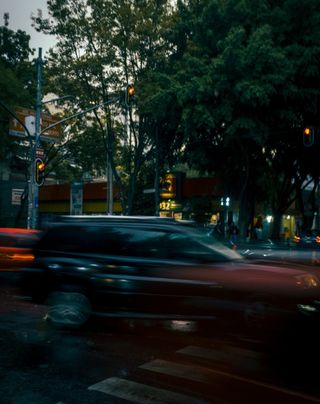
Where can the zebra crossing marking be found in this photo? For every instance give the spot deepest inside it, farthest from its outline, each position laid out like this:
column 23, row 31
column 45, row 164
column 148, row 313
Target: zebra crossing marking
column 194, row 372
column 142, row 393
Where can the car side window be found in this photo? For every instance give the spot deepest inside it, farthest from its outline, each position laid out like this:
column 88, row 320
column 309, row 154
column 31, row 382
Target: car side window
column 127, row 241
column 185, row 247
column 149, row 243
column 65, row 239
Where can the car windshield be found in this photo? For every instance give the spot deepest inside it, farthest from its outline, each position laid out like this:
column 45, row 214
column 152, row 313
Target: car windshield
column 198, row 242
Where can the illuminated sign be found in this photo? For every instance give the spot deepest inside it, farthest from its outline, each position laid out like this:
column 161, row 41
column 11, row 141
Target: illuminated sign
column 170, row 205
column 168, row 186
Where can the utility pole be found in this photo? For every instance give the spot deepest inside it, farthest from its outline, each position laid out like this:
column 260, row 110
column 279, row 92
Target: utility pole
column 33, row 184
column 33, row 191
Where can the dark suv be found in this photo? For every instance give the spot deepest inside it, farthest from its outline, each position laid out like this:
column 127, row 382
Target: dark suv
column 156, row 267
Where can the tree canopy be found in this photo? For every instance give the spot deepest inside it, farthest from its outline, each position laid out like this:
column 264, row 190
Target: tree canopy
column 224, row 85
column 16, row 78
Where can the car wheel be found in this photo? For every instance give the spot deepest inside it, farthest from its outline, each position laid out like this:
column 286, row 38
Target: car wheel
column 68, row 309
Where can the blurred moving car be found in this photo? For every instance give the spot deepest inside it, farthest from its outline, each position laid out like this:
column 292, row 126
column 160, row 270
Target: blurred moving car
column 16, row 247
column 154, row 267
column 307, row 239
column 266, row 250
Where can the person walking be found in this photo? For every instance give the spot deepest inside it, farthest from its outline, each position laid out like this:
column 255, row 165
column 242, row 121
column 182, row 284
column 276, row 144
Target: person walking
column 233, row 234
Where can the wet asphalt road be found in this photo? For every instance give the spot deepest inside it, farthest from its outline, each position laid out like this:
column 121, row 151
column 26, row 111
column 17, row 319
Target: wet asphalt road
column 121, row 361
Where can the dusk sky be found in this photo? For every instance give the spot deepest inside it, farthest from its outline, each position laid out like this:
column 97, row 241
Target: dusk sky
column 20, row 18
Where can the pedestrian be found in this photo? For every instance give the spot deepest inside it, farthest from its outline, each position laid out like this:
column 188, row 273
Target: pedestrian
column 233, row 233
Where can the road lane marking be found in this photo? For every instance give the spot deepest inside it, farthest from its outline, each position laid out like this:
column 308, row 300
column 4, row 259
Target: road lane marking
column 205, row 375
column 142, row 393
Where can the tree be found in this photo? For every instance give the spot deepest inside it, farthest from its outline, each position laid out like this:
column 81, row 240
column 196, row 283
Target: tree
column 16, row 89
column 16, row 78
column 244, row 82
column 102, row 46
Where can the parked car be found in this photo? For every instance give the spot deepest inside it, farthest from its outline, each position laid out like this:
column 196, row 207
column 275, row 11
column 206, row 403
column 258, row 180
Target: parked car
column 153, row 267
column 16, row 247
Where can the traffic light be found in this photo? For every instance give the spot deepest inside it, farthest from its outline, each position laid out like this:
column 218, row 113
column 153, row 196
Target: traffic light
column 39, row 171
column 129, row 94
column 308, row 136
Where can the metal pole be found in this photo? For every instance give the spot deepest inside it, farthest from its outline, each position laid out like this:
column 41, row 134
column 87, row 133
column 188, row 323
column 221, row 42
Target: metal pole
column 157, row 174
column 35, row 189
column 109, row 177
column 30, row 187
column 110, row 188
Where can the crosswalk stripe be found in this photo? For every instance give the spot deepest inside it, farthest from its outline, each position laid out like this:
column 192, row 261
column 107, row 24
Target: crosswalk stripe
column 194, row 372
column 142, row 393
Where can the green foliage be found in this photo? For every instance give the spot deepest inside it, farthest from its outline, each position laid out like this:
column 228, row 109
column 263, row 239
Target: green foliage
column 16, row 79
column 224, row 85
column 103, row 45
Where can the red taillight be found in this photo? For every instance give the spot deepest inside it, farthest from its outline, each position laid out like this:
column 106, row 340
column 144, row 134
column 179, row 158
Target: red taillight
column 23, row 257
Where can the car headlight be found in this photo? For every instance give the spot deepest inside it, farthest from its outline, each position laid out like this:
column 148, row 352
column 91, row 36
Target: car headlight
column 308, row 281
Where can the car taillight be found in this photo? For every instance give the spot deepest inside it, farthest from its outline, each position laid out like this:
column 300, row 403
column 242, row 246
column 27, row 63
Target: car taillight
column 318, row 239
column 27, row 257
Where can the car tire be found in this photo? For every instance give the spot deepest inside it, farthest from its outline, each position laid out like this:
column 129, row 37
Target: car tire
column 68, row 309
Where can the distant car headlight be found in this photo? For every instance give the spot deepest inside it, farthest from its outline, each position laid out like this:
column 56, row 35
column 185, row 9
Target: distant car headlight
column 308, row 281
column 296, row 239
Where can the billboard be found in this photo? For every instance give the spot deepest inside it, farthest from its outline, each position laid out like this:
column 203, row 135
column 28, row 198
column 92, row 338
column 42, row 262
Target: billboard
column 27, row 116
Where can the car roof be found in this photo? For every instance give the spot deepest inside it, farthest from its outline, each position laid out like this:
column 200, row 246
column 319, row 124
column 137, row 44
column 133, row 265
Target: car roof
column 68, row 218
column 116, row 219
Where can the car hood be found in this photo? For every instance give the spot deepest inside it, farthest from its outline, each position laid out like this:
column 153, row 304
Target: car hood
column 253, row 277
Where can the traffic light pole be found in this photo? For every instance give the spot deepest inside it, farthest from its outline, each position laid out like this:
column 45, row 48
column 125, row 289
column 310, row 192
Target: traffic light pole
column 33, row 190
column 33, row 194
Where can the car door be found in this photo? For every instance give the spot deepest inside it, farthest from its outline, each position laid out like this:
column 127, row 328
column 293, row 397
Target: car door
column 151, row 270
column 127, row 254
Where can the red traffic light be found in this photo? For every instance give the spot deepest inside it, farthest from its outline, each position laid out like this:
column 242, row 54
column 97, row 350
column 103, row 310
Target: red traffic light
column 41, row 166
column 308, row 136
column 39, row 171
column 129, row 94
column 131, row 90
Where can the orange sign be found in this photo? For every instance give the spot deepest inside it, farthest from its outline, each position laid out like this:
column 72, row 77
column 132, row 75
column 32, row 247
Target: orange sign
column 168, row 186
column 27, row 116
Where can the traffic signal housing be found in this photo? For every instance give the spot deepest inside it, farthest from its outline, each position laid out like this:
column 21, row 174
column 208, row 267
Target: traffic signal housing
column 39, row 171
column 308, row 136
column 129, row 94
